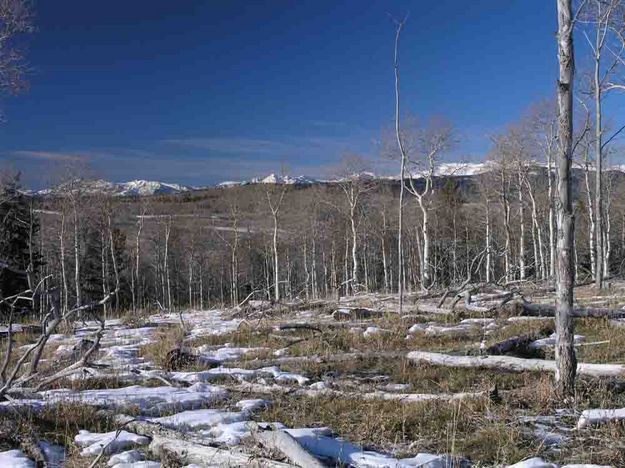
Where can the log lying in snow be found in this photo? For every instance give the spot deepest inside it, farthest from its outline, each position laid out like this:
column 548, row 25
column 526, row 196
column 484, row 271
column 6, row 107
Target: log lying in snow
column 599, row 416
column 187, row 453
column 152, row 429
column 377, row 395
column 548, row 310
column 513, row 364
column 327, row 358
column 359, row 313
column 283, row 442
column 431, row 309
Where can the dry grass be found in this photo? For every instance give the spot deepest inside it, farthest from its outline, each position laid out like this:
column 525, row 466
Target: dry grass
column 59, row 425
column 479, row 430
column 165, row 340
column 599, row 330
column 483, row 431
column 459, row 428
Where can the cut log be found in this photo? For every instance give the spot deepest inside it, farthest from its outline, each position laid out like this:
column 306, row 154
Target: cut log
column 513, row 364
column 284, row 443
column 186, row 453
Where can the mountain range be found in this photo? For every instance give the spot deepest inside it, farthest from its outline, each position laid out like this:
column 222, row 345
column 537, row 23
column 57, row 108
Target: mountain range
column 148, row 188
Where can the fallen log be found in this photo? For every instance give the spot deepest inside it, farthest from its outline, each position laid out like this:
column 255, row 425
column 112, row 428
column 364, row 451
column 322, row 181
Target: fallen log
column 358, row 313
column 518, row 344
column 152, row 429
column 321, row 358
column 186, row 453
column 431, row 309
column 284, row 443
column 513, row 364
column 600, row 416
column 548, row 310
column 369, row 396
column 299, row 326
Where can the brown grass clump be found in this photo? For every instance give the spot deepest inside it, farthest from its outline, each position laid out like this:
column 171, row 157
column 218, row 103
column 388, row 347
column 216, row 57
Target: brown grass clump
column 166, row 340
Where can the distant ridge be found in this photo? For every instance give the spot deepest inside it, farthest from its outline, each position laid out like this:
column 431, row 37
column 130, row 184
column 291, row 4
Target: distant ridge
column 124, row 189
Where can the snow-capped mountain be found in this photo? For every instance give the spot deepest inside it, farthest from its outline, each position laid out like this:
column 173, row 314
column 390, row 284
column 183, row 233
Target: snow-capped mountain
column 287, row 180
column 272, row 179
column 124, row 189
column 455, row 169
column 148, row 187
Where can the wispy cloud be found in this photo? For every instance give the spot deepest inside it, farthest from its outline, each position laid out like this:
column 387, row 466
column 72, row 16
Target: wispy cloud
column 234, row 145
column 196, row 161
column 48, row 155
column 292, row 148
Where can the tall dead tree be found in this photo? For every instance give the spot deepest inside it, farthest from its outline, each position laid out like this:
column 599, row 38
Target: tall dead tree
column 402, row 172
column 565, row 352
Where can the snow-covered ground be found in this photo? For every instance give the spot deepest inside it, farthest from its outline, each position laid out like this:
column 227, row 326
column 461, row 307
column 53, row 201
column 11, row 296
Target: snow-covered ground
column 203, row 403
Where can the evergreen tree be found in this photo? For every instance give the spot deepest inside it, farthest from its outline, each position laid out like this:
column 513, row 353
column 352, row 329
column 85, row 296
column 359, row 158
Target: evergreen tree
column 18, row 231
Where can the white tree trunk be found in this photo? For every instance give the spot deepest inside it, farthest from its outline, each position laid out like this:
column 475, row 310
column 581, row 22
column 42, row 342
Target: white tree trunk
column 76, row 257
column 566, row 361
column 276, row 262
column 522, row 232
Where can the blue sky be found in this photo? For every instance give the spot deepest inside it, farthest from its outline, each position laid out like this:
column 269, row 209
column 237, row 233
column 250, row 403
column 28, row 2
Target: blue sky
column 202, row 91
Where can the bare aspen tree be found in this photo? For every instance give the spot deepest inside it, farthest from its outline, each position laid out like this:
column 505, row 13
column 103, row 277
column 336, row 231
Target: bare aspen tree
column 135, row 278
column 233, row 245
column 275, row 196
column 424, row 144
column 383, row 234
column 402, row 172
column 604, row 31
column 502, row 168
column 485, row 183
column 63, row 266
column 607, row 231
column 565, row 352
column 74, row 197
column 167, row 226
column 354, row 183
column 521, row 164
column 542, row 122
column 109, row 225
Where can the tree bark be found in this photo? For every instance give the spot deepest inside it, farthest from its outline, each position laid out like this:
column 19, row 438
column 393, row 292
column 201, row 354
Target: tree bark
column 566, row 361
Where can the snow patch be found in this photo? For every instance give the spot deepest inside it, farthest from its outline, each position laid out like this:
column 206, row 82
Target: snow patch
column 93, row 443
column 15, row 459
